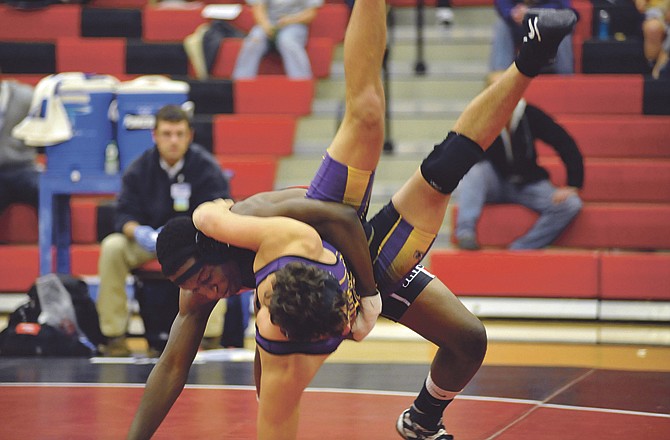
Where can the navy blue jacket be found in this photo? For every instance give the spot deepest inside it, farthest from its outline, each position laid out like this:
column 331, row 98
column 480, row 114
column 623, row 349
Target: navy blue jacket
column 145, row 190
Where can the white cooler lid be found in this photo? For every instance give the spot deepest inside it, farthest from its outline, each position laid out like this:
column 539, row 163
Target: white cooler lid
column 152, row 84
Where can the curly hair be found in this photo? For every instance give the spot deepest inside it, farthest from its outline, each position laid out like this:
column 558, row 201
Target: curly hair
column 175, row 244
column 307, row 303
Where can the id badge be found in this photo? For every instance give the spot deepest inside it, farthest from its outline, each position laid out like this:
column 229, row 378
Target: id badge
column 181, row 193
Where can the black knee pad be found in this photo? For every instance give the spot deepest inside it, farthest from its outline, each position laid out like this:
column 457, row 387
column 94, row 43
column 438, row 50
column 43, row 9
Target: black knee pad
column 446, row 165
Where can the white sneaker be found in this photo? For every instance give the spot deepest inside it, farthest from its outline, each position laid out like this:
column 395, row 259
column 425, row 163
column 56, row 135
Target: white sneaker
column 445, row 16
column 410, row 430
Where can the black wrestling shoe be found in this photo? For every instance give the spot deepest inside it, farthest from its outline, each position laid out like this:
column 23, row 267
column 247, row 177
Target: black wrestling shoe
column 544, row 31
column 411, row 430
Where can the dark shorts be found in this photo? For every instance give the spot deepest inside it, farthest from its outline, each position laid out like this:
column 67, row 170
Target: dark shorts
column 395, row 246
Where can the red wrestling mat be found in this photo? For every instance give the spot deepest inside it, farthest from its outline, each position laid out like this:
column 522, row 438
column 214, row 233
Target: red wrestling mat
column 104, row 412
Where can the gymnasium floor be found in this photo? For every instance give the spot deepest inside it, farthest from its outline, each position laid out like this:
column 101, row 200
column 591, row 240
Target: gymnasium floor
column 527, row 390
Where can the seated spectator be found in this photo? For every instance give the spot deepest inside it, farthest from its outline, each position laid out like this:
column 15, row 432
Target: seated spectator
column 508, row 35
column 283, row 25
column 166, row 181
column 655, row 32
column 509, row 173
column 19, row 173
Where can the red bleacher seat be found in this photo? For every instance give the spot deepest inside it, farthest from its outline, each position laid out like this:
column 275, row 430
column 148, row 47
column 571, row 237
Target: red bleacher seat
column 631, row 136
column 553, row 274
column 635, row 276
column 160, row 23
column 128, row 4
column 40, row 25
column 273, row 94
column 618, row 180
column 19, row 268
column 585, row 10
column 254, row 134
column 629, row 226
column 18, row 224
column 84, row 259
column 460, row 3
column 151, row 266
column 251, row 174
column 431, row 3
column 582, row 31
column 319, row 50
column 84, row 219
column 25, row 78
column 95, row 55
column 594, row 94
column 330, row 22
column 598, row 225
column 409, row 3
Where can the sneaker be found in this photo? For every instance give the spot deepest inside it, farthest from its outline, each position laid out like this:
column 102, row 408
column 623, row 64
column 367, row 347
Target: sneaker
column 544, row 30
column 445, row 16
column 468, row 243
column 154, row 353
column 410, row 430
column 117, row 347
column 210, row 343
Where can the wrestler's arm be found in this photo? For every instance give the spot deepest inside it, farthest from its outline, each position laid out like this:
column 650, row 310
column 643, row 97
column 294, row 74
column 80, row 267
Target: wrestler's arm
column 337, row 223
column 168, row 377
column 269, row 237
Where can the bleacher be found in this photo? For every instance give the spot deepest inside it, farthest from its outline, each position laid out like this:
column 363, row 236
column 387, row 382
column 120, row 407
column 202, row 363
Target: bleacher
column 614, row 257
column 247, row 124
column 616, row 250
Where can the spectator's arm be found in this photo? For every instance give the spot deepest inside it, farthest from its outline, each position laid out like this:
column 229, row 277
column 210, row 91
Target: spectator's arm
column 168, row 377
column 305, row 16
column 504, row 8
column 545, row 128
column 261, row 17
column 129, row 206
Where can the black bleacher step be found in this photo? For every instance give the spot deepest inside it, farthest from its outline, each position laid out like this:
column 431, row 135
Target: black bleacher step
column 202, row 126
column 656, row 98
column 111, row 22
column 27, row 57
column 212, row 95
column 611, row 56
column 155, row 58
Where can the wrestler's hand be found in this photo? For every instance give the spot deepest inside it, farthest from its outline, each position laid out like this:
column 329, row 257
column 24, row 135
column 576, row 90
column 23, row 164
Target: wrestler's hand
column 224, row 203
column 369, row 310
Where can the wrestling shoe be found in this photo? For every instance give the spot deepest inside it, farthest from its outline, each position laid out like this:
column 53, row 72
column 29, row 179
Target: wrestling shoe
column 117, row 347
column 544, row 30
column 410, row 430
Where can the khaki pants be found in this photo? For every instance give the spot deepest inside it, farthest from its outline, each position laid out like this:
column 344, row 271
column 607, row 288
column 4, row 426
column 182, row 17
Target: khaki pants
column 214, row 327
column 118, row 256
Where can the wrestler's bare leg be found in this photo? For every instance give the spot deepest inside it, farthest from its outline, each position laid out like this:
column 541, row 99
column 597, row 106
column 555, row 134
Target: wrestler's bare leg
column 359, row 141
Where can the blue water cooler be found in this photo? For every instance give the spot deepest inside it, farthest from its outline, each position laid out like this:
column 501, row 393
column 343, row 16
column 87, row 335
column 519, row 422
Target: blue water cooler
column 137, row 103
column 86, row 100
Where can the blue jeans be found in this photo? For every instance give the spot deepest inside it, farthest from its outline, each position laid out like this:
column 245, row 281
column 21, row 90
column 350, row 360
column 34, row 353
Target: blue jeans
column 19, row 184
column 290, row 42
column 504, row 49
column 482, row 185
